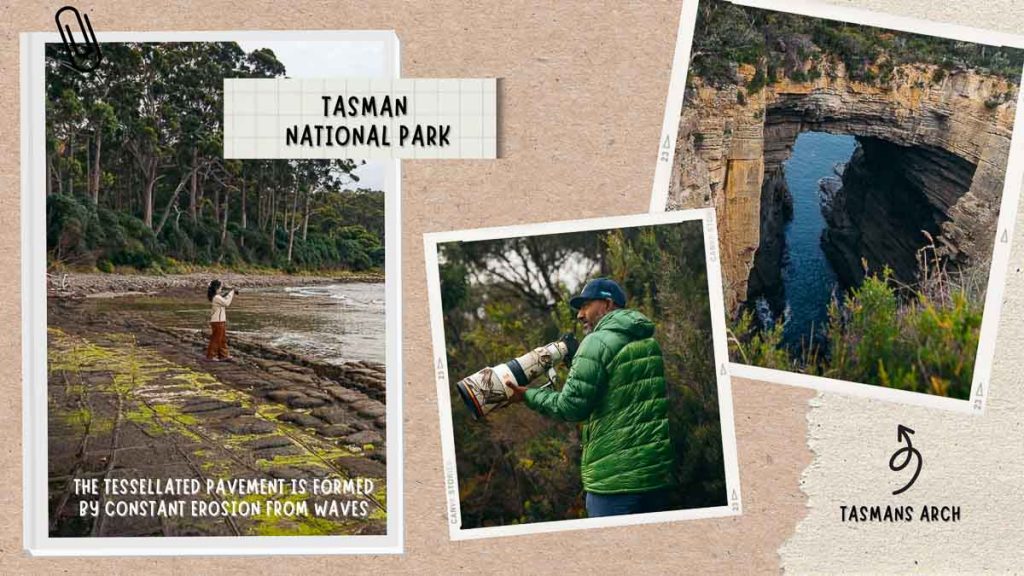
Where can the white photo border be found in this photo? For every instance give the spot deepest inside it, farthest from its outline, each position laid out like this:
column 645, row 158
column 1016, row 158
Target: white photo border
column 975, row 403
column 36, row 538
column 733, row 506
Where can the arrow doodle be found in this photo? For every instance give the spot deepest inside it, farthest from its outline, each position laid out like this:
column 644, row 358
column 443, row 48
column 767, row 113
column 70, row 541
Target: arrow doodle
column 903, row 435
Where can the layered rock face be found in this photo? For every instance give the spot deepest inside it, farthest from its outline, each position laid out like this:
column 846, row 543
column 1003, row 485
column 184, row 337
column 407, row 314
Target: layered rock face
column 882, row 217
column 952, row 136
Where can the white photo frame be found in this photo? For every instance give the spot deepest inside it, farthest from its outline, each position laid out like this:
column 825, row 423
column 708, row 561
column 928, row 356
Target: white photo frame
column 37, row 540
column 1013, row 177
column 431, row 242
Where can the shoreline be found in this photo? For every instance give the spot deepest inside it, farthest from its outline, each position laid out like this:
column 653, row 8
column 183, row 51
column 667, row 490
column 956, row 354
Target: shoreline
column 75, row 285
column 267, row 414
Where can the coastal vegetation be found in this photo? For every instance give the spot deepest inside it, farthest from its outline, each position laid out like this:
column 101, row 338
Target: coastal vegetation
column 802, row 48
column 921, row 338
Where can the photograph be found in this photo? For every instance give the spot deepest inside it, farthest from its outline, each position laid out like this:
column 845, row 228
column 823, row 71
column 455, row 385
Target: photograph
column 578, row 374
column 218, row 337
column 865, row 181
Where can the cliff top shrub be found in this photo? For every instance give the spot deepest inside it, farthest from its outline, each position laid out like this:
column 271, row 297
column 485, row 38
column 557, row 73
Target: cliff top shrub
column 885, row 334
column 728, row 35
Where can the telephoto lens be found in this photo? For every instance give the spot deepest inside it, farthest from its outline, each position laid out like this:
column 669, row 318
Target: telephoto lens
column 489, row 389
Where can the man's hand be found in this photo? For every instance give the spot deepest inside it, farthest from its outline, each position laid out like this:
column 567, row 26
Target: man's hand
column 518, row 393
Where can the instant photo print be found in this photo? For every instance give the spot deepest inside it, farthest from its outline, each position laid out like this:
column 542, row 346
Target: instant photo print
column 183, row 393
column 865, row 171
column 528, row 310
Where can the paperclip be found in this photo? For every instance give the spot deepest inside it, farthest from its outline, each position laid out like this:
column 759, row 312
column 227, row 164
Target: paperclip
column 84, row 57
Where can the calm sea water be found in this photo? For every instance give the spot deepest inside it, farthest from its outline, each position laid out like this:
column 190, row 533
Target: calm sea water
column 334, row 322
column 807, row 276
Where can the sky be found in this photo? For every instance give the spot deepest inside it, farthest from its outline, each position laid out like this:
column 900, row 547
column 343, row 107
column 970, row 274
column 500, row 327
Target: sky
column 326, row 59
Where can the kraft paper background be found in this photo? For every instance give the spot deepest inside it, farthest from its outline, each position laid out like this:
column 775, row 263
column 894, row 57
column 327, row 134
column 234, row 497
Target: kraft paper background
column 584, row 88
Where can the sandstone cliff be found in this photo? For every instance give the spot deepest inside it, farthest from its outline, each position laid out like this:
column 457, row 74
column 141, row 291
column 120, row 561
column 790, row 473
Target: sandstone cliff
column 955, row 127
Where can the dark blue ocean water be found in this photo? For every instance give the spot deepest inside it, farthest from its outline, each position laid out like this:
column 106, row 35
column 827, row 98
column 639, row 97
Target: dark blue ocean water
column 807, row 276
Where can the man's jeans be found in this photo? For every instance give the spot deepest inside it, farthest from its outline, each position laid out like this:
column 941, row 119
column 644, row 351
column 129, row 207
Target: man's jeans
column 631, row 503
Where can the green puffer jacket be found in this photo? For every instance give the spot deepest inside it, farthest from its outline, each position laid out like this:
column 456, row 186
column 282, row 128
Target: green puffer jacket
column 616, row 387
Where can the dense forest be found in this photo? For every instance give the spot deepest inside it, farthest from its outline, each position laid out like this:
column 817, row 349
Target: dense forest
column 135, row 174
column 803, row 48
column 504, row 297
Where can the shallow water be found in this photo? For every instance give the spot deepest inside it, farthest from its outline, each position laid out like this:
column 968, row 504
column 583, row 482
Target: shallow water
column 807, row 275
column 332, row 322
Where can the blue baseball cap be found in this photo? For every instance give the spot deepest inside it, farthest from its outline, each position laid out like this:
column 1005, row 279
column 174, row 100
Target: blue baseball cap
column 600, row 289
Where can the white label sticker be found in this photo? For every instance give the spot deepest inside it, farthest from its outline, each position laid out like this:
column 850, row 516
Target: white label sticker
column 360, row 118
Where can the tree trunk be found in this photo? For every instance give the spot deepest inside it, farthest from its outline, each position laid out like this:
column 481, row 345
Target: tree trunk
column 147, row 197
column 259, row 200
column 261, row 209
column 305, row 218
column 224, row 221
column 49, row 176
column 216, row 203
column 171, row 203
column 95, row 184
column 195, row 180
column 242, row 241
column 88, row 168
column 291, row 224
column 273, row 210
column 70, row 155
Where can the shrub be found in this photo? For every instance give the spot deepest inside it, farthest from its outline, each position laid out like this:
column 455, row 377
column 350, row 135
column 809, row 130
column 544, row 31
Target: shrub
column 69, row 224
column 882, row 334
column 757, row 82
column 755, row 346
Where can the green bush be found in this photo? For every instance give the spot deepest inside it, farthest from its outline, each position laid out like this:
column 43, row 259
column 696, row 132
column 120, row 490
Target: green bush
column 71, row 228
column 728, row 35
column 881, row 335
column 755, row 346
column 757, row 82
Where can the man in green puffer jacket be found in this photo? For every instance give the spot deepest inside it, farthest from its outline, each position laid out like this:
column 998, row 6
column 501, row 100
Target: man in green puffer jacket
column 616, row 388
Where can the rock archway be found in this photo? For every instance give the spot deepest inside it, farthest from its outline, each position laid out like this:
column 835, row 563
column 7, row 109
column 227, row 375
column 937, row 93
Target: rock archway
column 950, row 133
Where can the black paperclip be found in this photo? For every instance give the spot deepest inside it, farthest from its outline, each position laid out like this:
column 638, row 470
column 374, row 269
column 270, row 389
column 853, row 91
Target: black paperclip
column 84, row 57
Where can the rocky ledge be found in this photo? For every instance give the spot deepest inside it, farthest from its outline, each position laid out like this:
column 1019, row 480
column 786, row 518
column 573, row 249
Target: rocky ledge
column 731, row 146
column 129, row 400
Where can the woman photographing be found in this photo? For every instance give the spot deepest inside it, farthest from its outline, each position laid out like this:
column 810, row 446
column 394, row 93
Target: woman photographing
column 218, row 347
